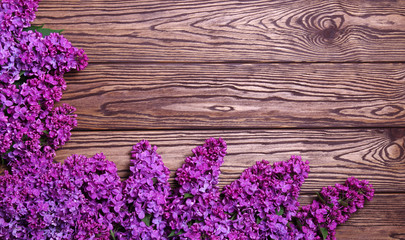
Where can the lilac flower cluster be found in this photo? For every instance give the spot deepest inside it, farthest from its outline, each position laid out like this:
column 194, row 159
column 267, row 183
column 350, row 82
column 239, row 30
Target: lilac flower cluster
column 145, row 195
column 194, row 211
column 31, row 82
column 84, row 198
column 17, row 14
column 333, row 207
column 264, row 199
column 261, row 204
column 75, row 200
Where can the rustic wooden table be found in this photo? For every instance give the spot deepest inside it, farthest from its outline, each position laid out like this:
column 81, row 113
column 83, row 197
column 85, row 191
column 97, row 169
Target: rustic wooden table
column 321, row 79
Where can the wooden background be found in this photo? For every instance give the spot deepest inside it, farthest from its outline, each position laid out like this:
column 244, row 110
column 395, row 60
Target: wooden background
column 322, row 79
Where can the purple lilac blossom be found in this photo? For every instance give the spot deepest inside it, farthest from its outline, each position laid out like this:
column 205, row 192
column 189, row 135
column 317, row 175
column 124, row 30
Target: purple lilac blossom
column 14, row 16
column 84, row 197
column 194, row 211
column 145, row 195
column 79, row 199
column 264, row 199
column 17, row 14
column 333, row 207
column 31, row 82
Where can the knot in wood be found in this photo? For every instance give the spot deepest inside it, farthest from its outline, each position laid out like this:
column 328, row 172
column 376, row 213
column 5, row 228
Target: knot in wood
column 222, row 108
column 389, row 111
column 330, row 26
column 394, row 152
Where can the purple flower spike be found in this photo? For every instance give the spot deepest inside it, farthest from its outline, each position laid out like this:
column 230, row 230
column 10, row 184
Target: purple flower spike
column 17, row 14
column 199, row 174
column 31, row 82
column 80, row 199
column 84, row 198
column 333, row 206
column 262, row 201
column 145, row 193
column 194, row 210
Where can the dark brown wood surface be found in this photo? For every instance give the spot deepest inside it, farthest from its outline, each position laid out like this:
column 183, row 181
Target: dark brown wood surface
column 321, row 79
column 186, row 96
column 216, row 31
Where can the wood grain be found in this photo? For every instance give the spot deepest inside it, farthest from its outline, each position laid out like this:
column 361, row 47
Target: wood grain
column 162, row 69
column 218, row 31
column 373, row 154
column 382, row 218
column 379, row 232
column 217, row 96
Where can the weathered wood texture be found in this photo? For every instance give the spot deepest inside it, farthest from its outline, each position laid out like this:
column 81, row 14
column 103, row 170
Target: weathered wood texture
column 172, row 67
column 185, row 96
column 373, row 154
column 217, row 31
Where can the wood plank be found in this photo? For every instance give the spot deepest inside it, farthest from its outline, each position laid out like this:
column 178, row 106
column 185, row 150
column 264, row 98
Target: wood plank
column 373, row 154
column 217, row 31
column 382, row 218
column 381, row 232
column 217, row 96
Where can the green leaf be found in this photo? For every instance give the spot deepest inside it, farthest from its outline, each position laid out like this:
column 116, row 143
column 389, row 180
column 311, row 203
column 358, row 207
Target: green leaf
column 320, row 198
column 173, row 233
column 46, row 31
column 188, row 195
column 324, row 232
column 24, row 137
column 343, row 203
column 258, row 220
column 146, row 219
column 233, row 215
column 20, row 82
column 189, row 224
column 281, row 212
column 33, row 28
column 154, row 180
column 43, row 141
column 298, row 223
column 112, row 234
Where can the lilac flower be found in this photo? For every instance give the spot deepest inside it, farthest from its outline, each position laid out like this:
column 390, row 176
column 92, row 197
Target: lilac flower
column 194, row 209
column 262, row 201
column 17, row 14
column 31, row 82
column 79, row 199
column 333, row 207
column 145, row 194
column 84, row 198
